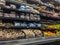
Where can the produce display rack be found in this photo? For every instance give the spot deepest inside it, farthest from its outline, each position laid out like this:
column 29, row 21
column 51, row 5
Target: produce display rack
column 3, row 27
column 40, row 40
column 43, row 17
column 17, row 3
column 41, row 14
column 44, row 4
column 32, row 41
column 17, row 19
column 50, row 7
column 16, row 10
column 49, row 18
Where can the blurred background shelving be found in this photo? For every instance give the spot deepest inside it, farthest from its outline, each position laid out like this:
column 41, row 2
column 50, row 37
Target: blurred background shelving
column 25, row 22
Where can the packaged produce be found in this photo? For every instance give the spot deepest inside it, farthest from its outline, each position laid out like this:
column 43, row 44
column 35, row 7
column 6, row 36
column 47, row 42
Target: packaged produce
column 55, row 15
column 6, row 15
column 35, row 17
column 31, row 17
column 22, row 7
column 2, row 24
column 22, row 16
column 8, row 7
column 12, row 14
column 49, row 33
column 8, row 34
column 29, row 33
column 38, row 33
column 42, row 8
column 38, row 25
column 1, row 14
column 23, row 24
column 16, row 24
column 27, row 16
column 8, row 25
column 17, row 16
column 57, row 32
column 18, row 0
column 50, row 26
column 56, row 26
column 32, row 25
column 27, row 8
column 38, row 17
column 2, row 2
column 13, row 6
column 58, row 7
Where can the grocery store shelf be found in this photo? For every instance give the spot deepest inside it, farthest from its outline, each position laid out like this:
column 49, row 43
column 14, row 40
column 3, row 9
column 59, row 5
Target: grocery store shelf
column 20, row 11
column 51, row 29
column 30, row 41
column 44, row 4
column 4, row 27
column 16, row 10
column 25, row 20
column 17, row 19
column 44, row 11
column 43, row 21
column 49, row 18
column 17, row 3
column 16, row 27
